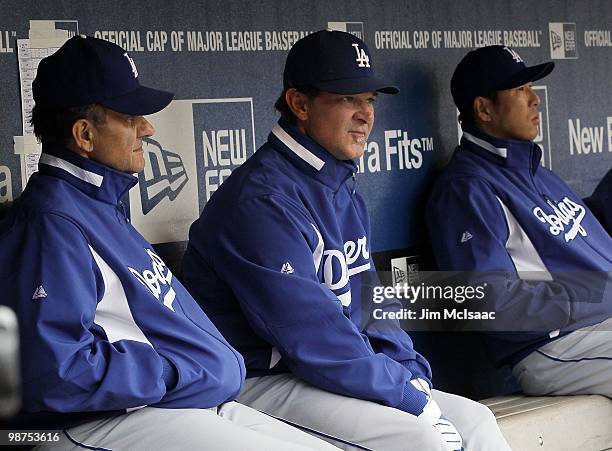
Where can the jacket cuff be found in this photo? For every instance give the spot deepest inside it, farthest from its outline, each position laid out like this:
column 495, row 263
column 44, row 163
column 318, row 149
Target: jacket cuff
column 169, row 373
column 413, row 400
column 418, row 371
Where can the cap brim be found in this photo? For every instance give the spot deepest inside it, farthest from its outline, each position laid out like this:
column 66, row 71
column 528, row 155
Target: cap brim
column 140, row 102
column 356, row 86
column 528, row 74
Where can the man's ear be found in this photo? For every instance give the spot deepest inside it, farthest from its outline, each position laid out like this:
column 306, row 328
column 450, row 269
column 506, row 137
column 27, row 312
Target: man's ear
column 298, row 102
column 482, row 109
column 83, row 135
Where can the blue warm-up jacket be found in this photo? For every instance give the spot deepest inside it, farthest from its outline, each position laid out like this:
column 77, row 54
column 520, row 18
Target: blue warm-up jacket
column 277, row 260
column 497, row 212
column 104, row 324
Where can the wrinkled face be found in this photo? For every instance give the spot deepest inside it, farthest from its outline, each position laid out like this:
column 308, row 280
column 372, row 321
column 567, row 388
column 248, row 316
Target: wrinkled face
column 118, row 141
column 340, row 123
column 514, row 114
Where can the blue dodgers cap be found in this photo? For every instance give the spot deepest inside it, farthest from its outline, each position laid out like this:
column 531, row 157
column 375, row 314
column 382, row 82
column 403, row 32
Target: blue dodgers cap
column 88, row 70
column 333, row 61
column 493, row 68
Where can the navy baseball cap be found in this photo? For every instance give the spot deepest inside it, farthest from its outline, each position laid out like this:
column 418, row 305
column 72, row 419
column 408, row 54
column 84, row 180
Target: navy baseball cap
column 493, row 68
column 333, row 61
column 88, row 70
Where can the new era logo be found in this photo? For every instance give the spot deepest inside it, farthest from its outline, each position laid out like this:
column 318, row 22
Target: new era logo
column 354, row 28
column 467, row 236
column 39, row 293
column 164, row 175
column 287, row 268
column 555, row 41
column 405, row 270
column 399, row 276
column 563, row 40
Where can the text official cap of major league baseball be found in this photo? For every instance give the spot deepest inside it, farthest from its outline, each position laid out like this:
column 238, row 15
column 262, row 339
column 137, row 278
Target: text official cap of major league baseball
column 492, row 68
column 333, row 61
column 88, row 70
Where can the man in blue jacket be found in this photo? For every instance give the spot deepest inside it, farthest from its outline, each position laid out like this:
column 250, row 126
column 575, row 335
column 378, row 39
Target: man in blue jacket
column 517, row 226
column 277, row 260
column 114, row 350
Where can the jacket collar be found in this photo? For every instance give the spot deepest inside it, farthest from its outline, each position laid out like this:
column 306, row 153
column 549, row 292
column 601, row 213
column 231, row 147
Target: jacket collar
column 505, row 152
column 309, row 156
column 94, row 179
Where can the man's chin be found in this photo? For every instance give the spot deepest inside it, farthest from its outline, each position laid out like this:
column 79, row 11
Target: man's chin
column 136, row 168
column 352, row 156
column 534, row 135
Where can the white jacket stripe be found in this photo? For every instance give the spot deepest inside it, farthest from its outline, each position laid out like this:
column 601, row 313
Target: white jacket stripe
column 358, row 269
column 345, row 298
column 317, row 255
column 501, row 151
column 113, row 312
column 527, row 261
column 275, row 357
column 86, row 176
column 297, row 148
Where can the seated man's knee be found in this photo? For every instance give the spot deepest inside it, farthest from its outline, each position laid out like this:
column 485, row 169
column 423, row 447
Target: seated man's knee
column 482, row 414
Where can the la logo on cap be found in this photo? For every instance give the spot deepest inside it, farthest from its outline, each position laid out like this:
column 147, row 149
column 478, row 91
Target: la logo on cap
column 362, row 58
column 515, row 56
column 132, row 64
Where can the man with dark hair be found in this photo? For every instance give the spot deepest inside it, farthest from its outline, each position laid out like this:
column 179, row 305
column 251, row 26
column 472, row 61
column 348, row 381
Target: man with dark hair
column 114, row 350
column 283, row 107
column 498, row 213
column 278, row 259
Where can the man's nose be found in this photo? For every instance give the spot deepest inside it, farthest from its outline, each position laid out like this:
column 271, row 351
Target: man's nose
column 535, row 99
column 145, row 128
column 365, row 111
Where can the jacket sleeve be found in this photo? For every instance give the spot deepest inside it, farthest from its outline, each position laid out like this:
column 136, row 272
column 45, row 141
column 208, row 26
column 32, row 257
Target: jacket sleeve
column 386, row 335
column 469, row 232
column 295, row 312
column 600, row 202
column 68, row 363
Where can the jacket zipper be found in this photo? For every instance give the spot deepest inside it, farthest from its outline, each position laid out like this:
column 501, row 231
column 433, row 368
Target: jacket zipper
column 124, row 211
